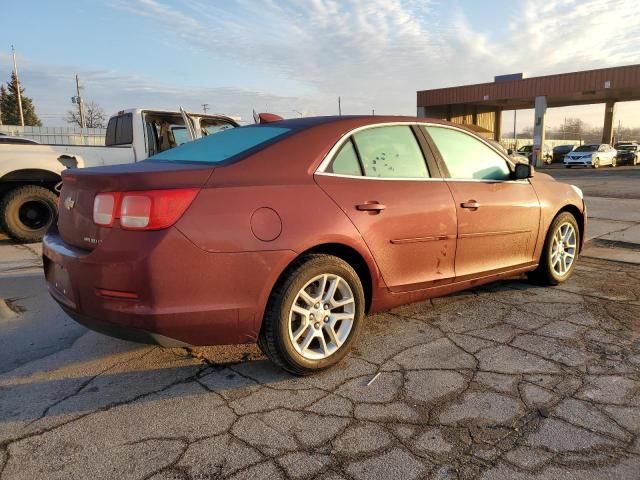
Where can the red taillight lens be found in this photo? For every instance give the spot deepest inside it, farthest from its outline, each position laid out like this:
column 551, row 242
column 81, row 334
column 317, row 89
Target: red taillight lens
column 151, row 209
column 104, row 209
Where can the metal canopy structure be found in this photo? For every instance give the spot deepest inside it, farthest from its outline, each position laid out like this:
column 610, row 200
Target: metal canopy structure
column 482, row 104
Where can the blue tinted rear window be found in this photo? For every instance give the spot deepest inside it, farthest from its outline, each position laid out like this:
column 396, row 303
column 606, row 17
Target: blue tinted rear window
column 221, row 146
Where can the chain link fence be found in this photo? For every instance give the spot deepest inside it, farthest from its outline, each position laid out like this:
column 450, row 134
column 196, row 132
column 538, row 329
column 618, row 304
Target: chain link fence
column 57, row 135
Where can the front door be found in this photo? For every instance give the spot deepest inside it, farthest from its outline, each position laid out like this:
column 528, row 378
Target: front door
column 498, row 217
column 407, row 218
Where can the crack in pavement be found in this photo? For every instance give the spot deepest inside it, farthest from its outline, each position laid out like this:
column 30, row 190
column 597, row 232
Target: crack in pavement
column 507, row 377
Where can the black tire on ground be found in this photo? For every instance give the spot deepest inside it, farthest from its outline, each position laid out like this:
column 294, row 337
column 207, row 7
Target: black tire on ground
column 614, row 162
column 544, row 274
column 274, row 338
column 596, row 163
column 27, row 212
column 567, row 166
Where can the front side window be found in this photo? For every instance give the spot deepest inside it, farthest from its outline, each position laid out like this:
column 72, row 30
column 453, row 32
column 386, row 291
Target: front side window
column 467, row 157
column 390, row 152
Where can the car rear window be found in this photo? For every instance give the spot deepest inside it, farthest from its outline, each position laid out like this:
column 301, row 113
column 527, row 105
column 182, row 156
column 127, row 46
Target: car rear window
column 223, row 145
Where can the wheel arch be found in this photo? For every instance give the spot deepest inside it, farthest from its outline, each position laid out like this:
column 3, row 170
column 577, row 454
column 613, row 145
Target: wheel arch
column 578, row 215
column 347, row 253
column 29, row 176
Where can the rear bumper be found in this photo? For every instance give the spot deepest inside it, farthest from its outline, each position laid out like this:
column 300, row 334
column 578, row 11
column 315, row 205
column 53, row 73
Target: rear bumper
column 177, row 293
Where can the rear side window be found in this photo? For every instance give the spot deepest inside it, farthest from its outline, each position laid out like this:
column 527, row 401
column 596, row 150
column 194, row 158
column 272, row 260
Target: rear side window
column 346, row 161
column 467, row 157
column 390, row 152
column 224, row 145
column 120, row 130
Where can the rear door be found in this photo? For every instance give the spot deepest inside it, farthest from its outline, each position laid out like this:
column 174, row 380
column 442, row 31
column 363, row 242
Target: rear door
column 395, row 197
column 498, row 218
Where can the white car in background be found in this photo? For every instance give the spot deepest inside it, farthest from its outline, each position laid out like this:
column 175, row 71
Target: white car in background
column 593, row 155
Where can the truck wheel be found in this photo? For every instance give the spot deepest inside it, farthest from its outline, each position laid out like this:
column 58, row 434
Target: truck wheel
column 27, row 212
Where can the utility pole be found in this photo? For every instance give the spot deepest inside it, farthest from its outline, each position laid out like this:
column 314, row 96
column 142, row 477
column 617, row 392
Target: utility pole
column 339, row 107
column 80, row 103
column 373, row 111
column 205, row 107
column 515, row 135
column 618, row 137
column 15, row 71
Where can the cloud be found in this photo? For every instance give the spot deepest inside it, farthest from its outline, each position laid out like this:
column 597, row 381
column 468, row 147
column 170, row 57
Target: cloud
column 373, row 53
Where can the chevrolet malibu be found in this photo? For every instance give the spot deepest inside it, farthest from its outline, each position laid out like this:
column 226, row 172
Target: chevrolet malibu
column 288, row 233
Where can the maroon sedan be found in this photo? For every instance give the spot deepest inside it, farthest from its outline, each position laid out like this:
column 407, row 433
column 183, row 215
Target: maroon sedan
column 288, row 233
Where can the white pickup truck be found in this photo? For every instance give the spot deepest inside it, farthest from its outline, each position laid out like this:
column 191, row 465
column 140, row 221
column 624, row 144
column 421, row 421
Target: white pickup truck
column 30, row 172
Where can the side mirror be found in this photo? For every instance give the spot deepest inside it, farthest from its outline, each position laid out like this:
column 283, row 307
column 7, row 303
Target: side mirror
column 522, row 171
column 509, row 151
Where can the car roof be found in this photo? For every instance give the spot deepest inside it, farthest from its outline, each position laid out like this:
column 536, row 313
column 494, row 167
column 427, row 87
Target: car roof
column 342, row 124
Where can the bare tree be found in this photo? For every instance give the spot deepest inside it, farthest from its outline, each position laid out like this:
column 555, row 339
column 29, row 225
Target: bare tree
column 94, row 116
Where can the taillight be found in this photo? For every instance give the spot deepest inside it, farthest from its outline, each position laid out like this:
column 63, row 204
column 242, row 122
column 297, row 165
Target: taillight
column 135, row 211
column 144, row 210
column 104, row 209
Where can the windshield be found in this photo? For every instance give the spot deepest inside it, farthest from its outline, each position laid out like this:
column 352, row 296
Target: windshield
column 587, row 148
column 526, row 148
column 630, row 148
column 222, row 146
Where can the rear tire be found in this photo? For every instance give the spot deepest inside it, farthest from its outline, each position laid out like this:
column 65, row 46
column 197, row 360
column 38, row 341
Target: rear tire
column 596, row 163
column 27, row 212
column 614, row 162
column 285, row 331
column 553, row 268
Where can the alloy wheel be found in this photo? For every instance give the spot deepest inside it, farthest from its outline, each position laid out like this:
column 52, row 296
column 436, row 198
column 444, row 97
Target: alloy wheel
column 321, row 316
column 563, row 249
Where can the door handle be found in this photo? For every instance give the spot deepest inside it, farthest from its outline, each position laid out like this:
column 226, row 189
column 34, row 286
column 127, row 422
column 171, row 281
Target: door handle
column 471, row 205
column 371, row 207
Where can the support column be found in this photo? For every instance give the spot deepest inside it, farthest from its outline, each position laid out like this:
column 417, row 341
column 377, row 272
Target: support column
column 538, row 131
column 497, row 125
column 609, row 117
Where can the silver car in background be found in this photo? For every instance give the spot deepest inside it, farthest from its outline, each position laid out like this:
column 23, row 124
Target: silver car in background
column 593, row 155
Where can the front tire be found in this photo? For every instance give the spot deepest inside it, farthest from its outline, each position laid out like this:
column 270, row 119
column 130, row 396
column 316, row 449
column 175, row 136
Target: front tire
column 314, row 315
column 27, row 212
column 560, row 251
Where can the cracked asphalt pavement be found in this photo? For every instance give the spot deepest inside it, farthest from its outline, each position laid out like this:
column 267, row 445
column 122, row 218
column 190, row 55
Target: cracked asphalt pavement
column 508, row 381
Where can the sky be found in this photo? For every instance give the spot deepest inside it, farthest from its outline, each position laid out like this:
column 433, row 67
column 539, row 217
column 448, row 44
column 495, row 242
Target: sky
column 295, row 57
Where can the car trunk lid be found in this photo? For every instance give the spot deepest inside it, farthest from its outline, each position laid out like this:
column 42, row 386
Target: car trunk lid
column 80, row 186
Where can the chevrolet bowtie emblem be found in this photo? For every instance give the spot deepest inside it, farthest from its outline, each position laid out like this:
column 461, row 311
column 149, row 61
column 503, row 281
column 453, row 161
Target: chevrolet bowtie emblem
column 69, row 203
